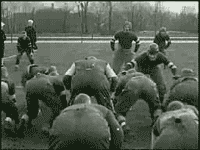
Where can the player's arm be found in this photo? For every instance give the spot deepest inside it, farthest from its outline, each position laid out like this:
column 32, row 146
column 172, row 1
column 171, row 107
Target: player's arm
column 19, row 43
column 68, row 77
column 58, row 85
column 168, row 41
column 137, row 42
column 168, row 63
column 112, row 75
column 137, row 63
column 112, row 42
column 117, row 135
column 156, row 39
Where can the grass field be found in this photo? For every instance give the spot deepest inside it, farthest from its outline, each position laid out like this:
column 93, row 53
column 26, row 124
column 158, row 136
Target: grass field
column 62, row 55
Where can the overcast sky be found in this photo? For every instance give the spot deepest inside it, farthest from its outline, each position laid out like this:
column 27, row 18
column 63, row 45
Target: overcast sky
column 176, row 6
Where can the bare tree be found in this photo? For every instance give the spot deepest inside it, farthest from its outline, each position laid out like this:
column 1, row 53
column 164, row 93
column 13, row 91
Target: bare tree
column 80, row 16
column 2, row 10
column 110, row 17
column 66, row 10
column 83, row 8
column 155, row 17
column 100, row 11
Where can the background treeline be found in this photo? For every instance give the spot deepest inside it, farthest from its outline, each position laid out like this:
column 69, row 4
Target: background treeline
column 99, row 18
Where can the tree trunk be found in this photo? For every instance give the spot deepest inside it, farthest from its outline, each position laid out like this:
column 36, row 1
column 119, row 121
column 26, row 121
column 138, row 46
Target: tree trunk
column 2, row 10
column 85, row 20
column 8, row 21
column 81, row 17
column 84, row 8
column 98, row 22
column 82, row 22
column 155, row 18
column 110, row 17
column 64, row 21
column 132, row 18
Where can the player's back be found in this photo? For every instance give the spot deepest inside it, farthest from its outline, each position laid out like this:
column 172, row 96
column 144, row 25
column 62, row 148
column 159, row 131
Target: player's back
column 177, row 130
column 83, row 120
column 92, row 70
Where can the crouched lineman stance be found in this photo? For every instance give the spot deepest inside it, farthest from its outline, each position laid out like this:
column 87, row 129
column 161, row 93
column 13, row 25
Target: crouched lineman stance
column 33, row 69
column 85, row 125
column 124, row 53
column 176, row 128
column 8, row 99
column 24, row 45
column 91, row 76
column 184, row 89
column 50, row 90
column 131, row 87
column 148, row 63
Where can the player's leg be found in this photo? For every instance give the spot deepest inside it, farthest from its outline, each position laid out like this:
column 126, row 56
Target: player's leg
column 29, row 54
column 10, row 109
column 129, row 55
column 18, row 58
column 163, row 51
column 118, row 60
column 102, row 95
column 31, row 42
column 157, row 77
column 151, row 97
column 126, row 100
column 35, row 45
column 32, row 112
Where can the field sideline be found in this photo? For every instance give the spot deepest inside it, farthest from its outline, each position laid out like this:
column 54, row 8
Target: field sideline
column 63, row 55
column 138, row 33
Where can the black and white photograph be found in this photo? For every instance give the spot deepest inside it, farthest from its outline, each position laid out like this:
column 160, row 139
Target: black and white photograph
column 99, row 75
